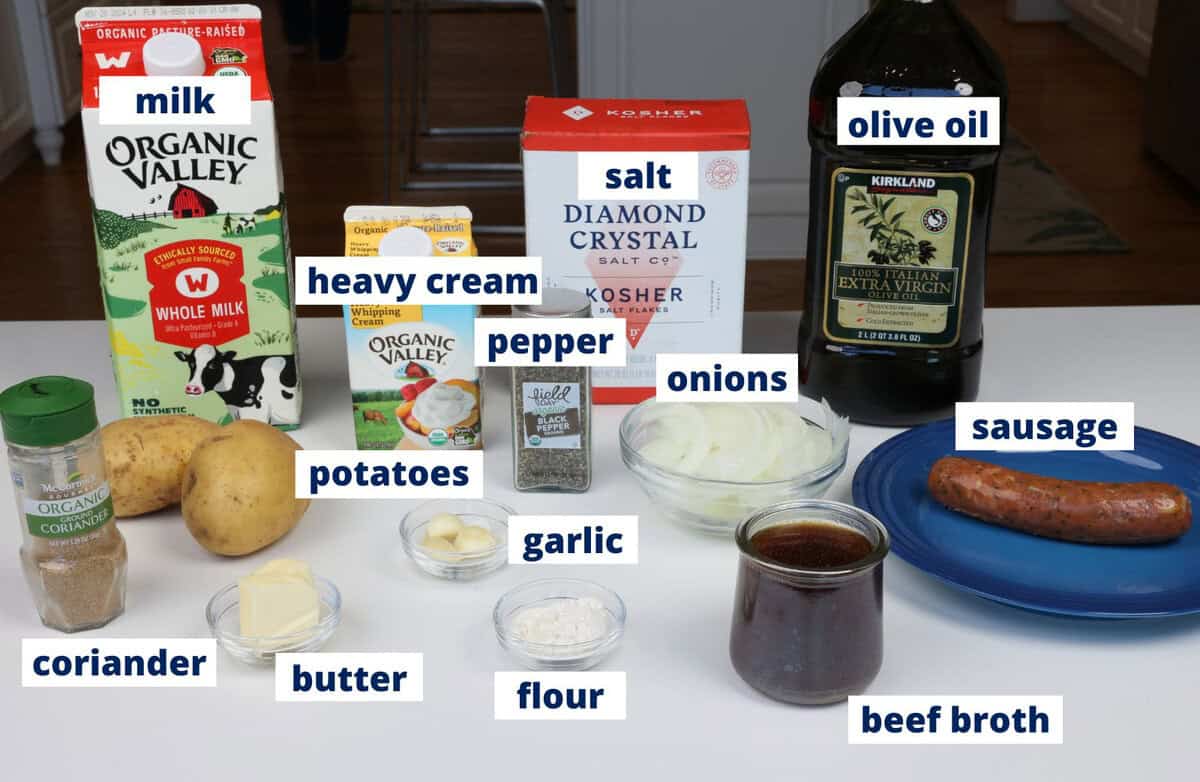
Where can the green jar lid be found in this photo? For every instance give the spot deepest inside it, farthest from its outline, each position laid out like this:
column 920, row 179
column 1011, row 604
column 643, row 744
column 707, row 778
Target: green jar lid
column 49, row 410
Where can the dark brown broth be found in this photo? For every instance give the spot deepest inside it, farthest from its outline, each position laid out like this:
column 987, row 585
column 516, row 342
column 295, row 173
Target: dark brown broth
column 811, row 544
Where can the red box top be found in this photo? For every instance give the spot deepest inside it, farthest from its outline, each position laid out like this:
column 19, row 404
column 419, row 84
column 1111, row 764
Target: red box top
column 630, row 125
column 230, row 38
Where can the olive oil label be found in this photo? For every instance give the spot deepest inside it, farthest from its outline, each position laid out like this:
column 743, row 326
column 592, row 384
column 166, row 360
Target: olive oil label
column 551, row 415
column 897, row 256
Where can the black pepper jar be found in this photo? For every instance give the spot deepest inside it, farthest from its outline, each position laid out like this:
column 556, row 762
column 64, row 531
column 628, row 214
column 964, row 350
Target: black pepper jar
column 552, row 410
column 809, row 635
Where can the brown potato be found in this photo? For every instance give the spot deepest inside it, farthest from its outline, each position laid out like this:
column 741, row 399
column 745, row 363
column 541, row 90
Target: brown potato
column 239, row 489
column 145, row 459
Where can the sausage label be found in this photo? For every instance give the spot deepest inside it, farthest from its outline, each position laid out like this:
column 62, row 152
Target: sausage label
column 898, row 244
column 1043, row 426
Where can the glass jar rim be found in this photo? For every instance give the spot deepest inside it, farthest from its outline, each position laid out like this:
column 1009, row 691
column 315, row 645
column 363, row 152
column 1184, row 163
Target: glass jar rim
column 879, row 548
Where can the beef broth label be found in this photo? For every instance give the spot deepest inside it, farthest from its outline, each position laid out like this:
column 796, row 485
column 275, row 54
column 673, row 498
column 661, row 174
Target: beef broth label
column 897, row 257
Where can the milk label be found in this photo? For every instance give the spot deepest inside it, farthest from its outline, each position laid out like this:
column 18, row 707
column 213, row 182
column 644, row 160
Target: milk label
column 641, row 204
column 189, row 213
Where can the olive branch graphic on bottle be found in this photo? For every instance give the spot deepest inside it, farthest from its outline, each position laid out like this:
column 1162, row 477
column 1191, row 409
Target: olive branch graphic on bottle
column 895, row 245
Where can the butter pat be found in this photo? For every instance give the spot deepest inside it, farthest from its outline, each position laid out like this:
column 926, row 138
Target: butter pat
column 278, row 599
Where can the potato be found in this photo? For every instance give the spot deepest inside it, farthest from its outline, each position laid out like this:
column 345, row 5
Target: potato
column 239, row 489
column 145, row 459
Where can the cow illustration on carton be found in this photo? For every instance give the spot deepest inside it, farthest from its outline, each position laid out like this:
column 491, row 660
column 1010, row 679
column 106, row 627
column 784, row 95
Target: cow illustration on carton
column 262, row 388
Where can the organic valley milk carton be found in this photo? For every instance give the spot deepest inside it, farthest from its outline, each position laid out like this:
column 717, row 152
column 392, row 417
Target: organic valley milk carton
column 413, row 379
column 190, row 227
column 641, row 204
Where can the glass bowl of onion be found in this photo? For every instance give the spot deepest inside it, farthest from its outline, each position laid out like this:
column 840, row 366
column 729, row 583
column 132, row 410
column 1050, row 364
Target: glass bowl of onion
column 709, row 465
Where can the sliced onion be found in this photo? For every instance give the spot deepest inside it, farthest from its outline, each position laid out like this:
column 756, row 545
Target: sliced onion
column 734, row 441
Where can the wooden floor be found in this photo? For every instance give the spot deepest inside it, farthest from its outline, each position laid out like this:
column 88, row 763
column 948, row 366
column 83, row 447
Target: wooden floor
column 1080, row 110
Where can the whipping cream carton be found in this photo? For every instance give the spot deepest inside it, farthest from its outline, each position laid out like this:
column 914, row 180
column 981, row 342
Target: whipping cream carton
column 641, row 204
column 413, row 379
column 191, row 232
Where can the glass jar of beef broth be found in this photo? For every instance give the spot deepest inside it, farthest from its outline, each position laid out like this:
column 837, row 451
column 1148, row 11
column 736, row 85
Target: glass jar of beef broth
column 808, row 610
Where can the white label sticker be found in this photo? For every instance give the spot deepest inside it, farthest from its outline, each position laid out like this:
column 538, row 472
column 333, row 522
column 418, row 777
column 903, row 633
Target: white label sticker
column 358, row 676
column 727, row 377
column 174, row 100
column 552, row 415
column 955, row 719
column 560, row 695
column 1043, row 426
column 418, row 280
column 400, row 475
column 569, row 342
column 118, row 662
column 573, row 540
column 638, row 176
column 915, row 122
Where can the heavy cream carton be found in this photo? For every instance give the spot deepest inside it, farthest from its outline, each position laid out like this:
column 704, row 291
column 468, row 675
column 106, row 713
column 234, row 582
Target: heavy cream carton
column 641, row 204
column 413, row 379
column 191, row 234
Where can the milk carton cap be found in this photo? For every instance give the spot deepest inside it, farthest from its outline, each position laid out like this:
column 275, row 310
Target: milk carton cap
column 173, row 54
column 405, row 240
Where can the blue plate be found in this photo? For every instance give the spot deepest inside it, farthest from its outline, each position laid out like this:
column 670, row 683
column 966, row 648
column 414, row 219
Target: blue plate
column 1024, row 570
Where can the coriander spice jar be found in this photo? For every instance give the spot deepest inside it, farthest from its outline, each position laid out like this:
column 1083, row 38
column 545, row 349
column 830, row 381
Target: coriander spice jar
column 72, row 553
column 552, row 410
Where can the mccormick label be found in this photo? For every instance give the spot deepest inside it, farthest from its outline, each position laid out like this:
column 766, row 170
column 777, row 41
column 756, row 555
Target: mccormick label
column 897, row 257
column 641, row 205
column 191, row 233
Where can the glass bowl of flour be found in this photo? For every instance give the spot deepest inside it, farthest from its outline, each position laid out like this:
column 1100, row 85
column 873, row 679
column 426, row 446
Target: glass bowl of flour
column 559, row 624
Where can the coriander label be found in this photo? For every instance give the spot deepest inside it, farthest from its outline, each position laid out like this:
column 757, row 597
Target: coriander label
column 69, row 517
column 897, row 256
column 551, row 418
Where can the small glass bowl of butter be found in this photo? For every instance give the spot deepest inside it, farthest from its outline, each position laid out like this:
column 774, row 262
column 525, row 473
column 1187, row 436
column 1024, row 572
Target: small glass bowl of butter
column 457, row 539
column 281, row 607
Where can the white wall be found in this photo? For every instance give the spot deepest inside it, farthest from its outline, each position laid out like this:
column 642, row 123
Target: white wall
column 763, row 50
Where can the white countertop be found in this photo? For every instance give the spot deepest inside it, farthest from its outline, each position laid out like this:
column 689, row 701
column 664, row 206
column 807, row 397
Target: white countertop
column 1130, row 687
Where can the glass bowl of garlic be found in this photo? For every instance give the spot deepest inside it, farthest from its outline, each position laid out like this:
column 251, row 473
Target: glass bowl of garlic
column 457, row 539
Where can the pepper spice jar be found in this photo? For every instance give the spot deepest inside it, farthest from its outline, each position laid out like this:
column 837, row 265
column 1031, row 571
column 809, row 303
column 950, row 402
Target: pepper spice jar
column 552, row 410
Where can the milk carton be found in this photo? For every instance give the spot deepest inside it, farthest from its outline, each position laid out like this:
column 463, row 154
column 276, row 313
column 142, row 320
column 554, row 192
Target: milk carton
column 413, row 379
column 191, row 233
column 641, row 204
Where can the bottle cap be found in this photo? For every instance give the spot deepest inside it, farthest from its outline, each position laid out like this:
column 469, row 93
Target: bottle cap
column 405, row 240
column 50, row 410
column 556, row 303
column 173, row 54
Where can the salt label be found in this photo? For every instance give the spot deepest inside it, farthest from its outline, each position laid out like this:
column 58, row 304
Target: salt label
column 641, row 205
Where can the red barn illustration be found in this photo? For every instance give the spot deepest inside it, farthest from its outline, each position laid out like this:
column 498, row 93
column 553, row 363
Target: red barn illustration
column 189, row 202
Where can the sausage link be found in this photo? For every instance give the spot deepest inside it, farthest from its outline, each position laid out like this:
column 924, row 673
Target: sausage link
column 1079, row 511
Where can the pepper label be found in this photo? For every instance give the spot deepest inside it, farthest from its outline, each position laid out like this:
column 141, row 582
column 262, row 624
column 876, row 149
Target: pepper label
column 552, row 418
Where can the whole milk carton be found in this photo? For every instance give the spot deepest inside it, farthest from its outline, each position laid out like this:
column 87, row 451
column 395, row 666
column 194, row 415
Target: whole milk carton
column 641, row 204
column 191, row 234
column 413, row 380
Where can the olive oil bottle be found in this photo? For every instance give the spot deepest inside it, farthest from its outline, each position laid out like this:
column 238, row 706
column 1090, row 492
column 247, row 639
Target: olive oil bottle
column 892, row 332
